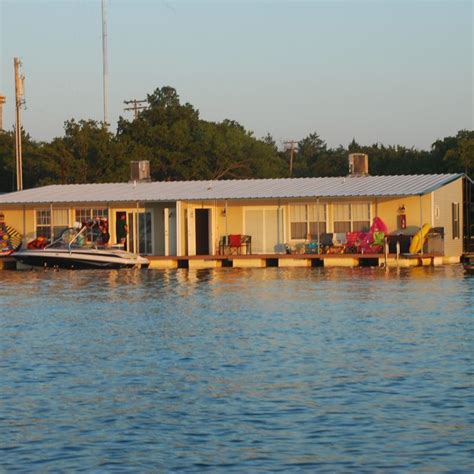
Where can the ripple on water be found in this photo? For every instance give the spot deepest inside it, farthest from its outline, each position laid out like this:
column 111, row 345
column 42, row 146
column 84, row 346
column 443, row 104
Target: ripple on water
column 237, row 370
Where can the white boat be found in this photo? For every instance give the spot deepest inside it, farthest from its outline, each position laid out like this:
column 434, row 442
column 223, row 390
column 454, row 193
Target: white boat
column 69, row 251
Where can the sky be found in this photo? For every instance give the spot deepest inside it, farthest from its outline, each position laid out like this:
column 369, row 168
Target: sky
column 389, row 71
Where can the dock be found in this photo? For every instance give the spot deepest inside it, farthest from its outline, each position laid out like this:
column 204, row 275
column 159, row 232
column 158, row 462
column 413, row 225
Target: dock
column 297, row 260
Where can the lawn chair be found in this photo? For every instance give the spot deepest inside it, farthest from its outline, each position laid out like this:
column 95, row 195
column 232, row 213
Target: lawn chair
column 379, row 241
column 325, row 241
column 353, row 240
column 235, row 244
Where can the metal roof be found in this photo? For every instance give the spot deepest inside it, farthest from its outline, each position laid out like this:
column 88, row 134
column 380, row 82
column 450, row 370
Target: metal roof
column 349, row 186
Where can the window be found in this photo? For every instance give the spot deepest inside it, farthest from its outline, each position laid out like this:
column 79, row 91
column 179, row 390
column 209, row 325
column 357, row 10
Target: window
column 455, row 216
column 316, row 220
column 60, row 221
column 342, row 218
column 84, row 215
column 360, row 215
column 298, row 218
column 43, row 222
column 351, row 218
column 90, row 214
column 305, row 219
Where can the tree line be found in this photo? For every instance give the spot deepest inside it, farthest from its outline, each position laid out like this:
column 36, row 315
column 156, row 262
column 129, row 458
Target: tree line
column 181, row 146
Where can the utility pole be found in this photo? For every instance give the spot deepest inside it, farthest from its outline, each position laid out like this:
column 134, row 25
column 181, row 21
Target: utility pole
column 136, row 107
column 105, row 65
column 291, row 144
column 19, row 101
column 3, row 99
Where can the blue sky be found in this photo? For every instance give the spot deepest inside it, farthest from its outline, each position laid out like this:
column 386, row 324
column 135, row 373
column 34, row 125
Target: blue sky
column 392, row 71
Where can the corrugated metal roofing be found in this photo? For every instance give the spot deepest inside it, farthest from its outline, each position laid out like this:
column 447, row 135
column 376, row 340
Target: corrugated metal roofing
column 349, row 186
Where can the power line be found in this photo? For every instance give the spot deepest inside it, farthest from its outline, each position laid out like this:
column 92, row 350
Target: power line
column 137, row 105
column 3, row 100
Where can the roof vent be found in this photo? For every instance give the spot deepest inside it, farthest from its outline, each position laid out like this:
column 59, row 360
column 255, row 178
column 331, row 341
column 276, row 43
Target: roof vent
column 358, row 164
column 140, row 171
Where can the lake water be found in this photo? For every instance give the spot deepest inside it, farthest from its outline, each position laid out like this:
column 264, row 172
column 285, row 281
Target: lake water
column 231, row 370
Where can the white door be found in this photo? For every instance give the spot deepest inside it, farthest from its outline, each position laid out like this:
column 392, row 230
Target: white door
column 170, row 231
column 265, row 226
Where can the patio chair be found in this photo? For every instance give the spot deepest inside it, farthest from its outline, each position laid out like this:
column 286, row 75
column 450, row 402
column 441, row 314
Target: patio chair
column 311, row 247
column 379, row 242
column 246, row 241
column 235, row 244
column 325, row 241
column 379, row 238
column 340, row 239
column 353, row 240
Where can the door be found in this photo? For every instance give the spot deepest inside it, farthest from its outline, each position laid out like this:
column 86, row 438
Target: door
column 169, row 216
column 202, row 231
column 121, row 228
column 145, row 237
column 265, row 226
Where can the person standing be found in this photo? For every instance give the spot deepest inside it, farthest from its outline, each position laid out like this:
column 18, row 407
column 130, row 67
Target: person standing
column 122, row 230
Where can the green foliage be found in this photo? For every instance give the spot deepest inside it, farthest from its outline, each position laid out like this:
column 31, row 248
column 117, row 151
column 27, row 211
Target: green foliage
column 460, row 156
column 7, row 161
column 182, row 146
column 179, row 145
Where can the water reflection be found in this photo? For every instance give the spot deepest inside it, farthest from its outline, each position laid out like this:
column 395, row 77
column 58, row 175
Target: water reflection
column 245, row 370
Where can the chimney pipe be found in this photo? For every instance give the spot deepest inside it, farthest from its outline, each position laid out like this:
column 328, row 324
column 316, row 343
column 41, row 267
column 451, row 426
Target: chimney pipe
column 358, row 164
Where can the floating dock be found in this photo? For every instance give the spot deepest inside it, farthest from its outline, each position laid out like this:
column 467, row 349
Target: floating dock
column 284, row 260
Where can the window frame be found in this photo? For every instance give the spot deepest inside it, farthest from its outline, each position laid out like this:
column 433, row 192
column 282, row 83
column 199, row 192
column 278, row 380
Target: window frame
column 308, row 222
column 351, row 221
column 90, row 214
column 455, row 220
column 47, row 227
column 46, row 215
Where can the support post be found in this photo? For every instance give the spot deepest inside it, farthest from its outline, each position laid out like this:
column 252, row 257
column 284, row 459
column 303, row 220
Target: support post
column 51, row 223
column 317, row 224
column 18, row 102
column 137, row 231
column 421, row 224
column 179, row 228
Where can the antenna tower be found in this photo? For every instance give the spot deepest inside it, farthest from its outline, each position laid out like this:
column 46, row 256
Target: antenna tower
column 105, row 65
column 19, row 101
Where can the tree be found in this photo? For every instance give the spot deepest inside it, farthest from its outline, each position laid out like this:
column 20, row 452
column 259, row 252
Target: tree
column 7, row 162
column 180, row 145
column 459, row 157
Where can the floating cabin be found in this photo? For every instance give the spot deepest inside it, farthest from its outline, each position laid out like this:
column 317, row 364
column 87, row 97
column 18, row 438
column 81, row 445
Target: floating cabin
column 260, row 222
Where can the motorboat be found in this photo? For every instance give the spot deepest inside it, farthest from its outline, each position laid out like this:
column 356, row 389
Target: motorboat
column 72, row 251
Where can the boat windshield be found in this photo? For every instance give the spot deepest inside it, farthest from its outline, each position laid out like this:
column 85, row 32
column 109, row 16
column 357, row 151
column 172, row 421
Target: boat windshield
column 76, row 237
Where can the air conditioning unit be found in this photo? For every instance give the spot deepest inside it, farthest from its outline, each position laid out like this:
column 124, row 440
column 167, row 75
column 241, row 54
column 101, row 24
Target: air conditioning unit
column 358, row 164
column 140, row 171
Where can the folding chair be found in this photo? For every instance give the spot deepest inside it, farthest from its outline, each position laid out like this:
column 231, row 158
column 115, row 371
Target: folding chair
column 325, row 241
column 235, row 244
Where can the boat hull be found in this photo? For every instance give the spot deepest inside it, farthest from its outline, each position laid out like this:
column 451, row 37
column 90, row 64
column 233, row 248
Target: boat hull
column 80, row 259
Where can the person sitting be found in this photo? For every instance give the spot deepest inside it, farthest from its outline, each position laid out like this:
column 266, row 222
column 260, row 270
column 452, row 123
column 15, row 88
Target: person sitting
column 104, row 236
